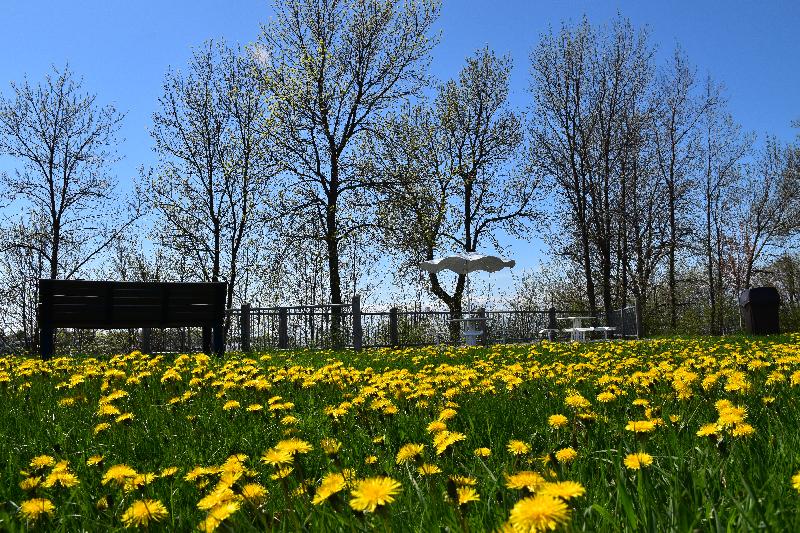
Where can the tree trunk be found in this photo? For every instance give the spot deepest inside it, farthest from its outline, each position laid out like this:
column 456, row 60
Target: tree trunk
column 587, row 272
column 334, row 277
column 710, row 270
column 673, row 301
column 54, row 251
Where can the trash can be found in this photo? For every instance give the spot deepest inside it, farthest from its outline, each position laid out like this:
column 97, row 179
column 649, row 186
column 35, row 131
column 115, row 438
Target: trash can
column 759, row 307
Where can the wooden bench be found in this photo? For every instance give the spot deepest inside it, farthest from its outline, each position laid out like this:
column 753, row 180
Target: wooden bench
column 123, row 305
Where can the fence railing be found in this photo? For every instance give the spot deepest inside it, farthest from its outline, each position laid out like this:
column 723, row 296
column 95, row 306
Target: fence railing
column 347, row 325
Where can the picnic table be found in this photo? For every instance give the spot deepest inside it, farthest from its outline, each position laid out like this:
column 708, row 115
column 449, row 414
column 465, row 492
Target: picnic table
column 472, row 328
column 577, row 331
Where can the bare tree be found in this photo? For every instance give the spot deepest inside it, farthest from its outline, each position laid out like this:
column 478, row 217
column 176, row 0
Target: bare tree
column 643, row 214
column 769, row 210
column 331, row 69
column 619, row 77
column 64, row 143
column 456, row 171
column 586, row 82
column 21, row 267
column 676, row 123
column 724, row 148
column 210, row 187
column 563, row 128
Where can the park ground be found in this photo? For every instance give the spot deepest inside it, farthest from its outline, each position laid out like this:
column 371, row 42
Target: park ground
column 673, row 434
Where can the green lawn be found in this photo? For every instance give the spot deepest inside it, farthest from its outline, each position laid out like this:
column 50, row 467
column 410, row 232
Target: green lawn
column 197, row 411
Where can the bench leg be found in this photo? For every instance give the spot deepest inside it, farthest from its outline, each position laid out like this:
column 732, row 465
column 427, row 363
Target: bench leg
column 207, row 340
column 146, row 339
column 218, row 343
column 46, row 342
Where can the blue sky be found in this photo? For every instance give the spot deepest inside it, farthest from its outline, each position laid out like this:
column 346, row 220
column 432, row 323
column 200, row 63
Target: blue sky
column 123, row 48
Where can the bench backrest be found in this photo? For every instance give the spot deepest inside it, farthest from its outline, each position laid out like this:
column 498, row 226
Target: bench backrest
column 119, row 304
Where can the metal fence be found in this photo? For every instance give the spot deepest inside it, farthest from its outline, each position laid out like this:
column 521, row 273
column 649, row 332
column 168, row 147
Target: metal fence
column 347, row 325
column 302, row 326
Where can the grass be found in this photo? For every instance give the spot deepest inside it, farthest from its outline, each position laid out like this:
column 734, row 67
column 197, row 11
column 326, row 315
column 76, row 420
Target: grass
column 374, row 402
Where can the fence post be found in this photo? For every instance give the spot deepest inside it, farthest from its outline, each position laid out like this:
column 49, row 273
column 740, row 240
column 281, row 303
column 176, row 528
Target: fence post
column 244, row 328
column 551, row 318
column 393, row 336
column 483, row 326
column 358, row 333
column 147, row 335
column 283, row 327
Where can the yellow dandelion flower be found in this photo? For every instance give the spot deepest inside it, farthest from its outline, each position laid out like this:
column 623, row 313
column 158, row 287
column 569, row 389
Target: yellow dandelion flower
column 61, row 477
column 217, row 515
column 230, row 405
column 142, row 512
column 289, row 420
column 605, row 397
column 95, row 460
column 221, row 494
column 566, row 455
column 282, row 473
column 332, row 483
column 517, row 447
column 254, row 407
column 408, row 452
column 466, row 495
column 796, row 482
column 557, row 421
column 566, row 490
column 254, row 493
column 276, row 457
column 428, row 469
column 525, row 479
column 370, row 460
column 730, row 416
column 125, row 417
column 369, row 493
column 169, row 471
column 108, row 410
column 42, row 461
column 482, row 452
column 743, row 430
column 294, row 446
column 436, row 426
column 538, row 513
column 638, row 460
column 444, row 439
column 464, row 481
column 640, row 426
column 36, row 507
column 330, row 446
column 707, row 430
column 30, row 483
column 101, row 427
column 102, row 503
column 447, row 414
column 118, row 474
column 577, row 401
